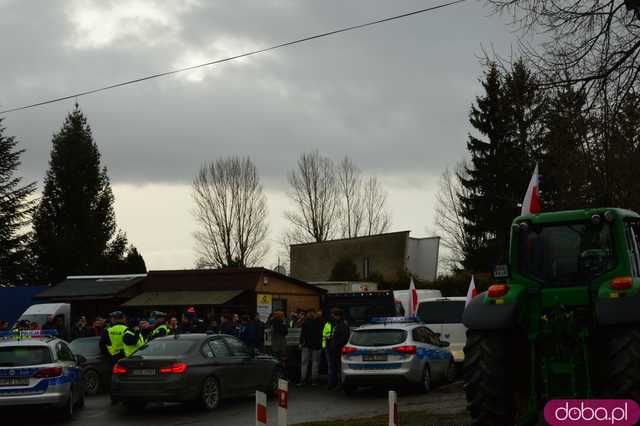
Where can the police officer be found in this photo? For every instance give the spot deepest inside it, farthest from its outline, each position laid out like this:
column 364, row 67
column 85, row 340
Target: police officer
column 160, row 328
column 112, row 337
column 327, row 332
column 132, row 339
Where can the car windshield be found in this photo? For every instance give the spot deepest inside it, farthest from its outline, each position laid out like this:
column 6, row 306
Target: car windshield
column 441, row 312
column 168, row 347
column 39, row 319
column 567, row 254
column 18, row 356
column 387, row 337
column 86, row 347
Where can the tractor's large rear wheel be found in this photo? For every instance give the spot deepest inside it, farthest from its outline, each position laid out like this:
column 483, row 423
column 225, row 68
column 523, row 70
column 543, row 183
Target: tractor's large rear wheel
column 488, row 378
column 622, row 363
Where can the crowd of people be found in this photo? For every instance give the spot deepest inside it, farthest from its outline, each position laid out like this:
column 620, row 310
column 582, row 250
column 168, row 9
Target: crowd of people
column 120, row 336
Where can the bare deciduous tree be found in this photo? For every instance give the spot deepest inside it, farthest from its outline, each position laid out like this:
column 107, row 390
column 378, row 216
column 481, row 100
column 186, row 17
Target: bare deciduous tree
column 592, row 43
column 449, row 219
column 231, row 211
column 377, row 218
column 314, row 192
column 350, row 187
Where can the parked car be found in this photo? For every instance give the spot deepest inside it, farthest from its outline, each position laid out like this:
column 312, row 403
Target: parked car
column 444, row 315
column 96, row 371
column 395, row 352
column 199, row 369
column 39, row 370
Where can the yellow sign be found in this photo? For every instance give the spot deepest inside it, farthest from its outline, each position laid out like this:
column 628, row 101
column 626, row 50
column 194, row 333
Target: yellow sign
column 264, row 306
column 265, row 299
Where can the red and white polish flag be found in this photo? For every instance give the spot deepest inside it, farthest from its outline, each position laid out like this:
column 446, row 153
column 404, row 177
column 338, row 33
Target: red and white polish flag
column 472, row 292
column 413, row 299
column 531, row 202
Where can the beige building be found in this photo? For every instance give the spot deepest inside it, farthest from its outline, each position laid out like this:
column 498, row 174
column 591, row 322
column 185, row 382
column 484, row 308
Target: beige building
column 390, row 255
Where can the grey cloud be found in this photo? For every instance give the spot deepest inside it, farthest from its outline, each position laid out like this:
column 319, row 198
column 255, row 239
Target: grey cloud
column 394, row 97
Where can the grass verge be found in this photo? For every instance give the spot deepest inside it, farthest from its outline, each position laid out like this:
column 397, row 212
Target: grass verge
column 409, row 418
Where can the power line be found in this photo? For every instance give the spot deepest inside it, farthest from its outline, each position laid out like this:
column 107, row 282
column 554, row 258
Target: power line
column 231, row 58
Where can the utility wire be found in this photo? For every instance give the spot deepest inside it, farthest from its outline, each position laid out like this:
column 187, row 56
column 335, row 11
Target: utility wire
column 231, row 58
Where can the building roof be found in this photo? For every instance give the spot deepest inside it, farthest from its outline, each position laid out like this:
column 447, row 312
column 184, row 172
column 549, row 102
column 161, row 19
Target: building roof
column 216, row 279
column 364, row 237
column 91, row 287
column 183, row 298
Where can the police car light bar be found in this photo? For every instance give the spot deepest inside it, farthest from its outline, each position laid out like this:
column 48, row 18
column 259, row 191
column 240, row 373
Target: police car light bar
column 28, row 333
column 392, row 320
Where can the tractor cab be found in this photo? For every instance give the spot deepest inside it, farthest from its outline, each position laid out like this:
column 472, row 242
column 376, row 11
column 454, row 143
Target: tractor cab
column 557, row 316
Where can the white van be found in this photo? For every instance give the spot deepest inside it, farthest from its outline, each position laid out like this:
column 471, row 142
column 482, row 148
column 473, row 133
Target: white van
column 444, row 315
column 41, row 312
column 402, row 298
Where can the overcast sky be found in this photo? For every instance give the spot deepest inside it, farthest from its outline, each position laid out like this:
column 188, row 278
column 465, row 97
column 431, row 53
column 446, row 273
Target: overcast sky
column 394, row 97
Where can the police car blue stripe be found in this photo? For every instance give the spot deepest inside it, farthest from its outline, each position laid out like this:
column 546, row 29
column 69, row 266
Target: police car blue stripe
column 377, row 366
column 18, row 372
column 41, row 387
column 72, row 375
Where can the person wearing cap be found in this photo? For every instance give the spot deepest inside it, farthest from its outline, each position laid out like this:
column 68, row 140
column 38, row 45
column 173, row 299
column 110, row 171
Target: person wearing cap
column 132, row 339
column 112, row 336
column 160, row 329
column 145, row 329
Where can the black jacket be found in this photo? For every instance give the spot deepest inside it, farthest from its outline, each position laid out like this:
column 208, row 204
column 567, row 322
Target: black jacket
column 311, row 334
column 340, row 335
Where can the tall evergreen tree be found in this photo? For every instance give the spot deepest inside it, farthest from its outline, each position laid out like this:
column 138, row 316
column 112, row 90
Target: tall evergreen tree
column 75, row 228
column 567, row 164
column 507, row 116
column 16, row 208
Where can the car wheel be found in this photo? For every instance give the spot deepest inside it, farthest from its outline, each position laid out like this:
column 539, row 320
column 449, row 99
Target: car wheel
column 451, row 372
column 134, row 405
column 272, row 389
column 426, row 380
column 210, row 394
column 91, row 380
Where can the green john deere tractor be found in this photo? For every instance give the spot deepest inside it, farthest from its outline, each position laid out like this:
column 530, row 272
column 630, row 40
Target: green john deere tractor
column 562, row 319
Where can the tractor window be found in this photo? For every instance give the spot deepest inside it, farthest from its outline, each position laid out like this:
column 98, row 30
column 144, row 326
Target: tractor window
column 567, row 254
column 631, row 232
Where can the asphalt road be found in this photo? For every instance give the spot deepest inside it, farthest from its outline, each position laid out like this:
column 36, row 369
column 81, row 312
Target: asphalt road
column 305, row 404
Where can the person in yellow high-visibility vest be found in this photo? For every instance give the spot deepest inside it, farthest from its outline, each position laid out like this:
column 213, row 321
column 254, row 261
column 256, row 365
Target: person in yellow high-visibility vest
column 112, row 336
column 327, row 332
column 132, row 339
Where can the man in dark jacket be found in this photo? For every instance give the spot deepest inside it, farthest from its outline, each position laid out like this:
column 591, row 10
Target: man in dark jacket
column 260, row 326
column 311, row 347
column 248, row 331
column 339, row 338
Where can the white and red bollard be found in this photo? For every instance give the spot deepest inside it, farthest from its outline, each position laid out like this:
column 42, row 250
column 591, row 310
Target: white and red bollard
column 261, row 409
column 283, row 402
column 393, row 409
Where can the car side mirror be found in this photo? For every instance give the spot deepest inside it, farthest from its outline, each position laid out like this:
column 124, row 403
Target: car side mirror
column 444, row 344
column 81, row 360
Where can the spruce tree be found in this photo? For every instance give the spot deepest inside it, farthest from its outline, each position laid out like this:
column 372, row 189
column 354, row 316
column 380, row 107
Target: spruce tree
column 506, row 117
column 567, row 166
column 16, row 208
column 75, row 229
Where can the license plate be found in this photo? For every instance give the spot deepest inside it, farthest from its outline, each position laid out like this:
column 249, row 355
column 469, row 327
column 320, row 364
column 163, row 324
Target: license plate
column 144, row 372
column 374, row 357
column 14, row 381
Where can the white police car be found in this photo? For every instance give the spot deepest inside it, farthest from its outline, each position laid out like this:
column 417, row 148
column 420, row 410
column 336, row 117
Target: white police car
column 39, row 369
column 394, row 351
